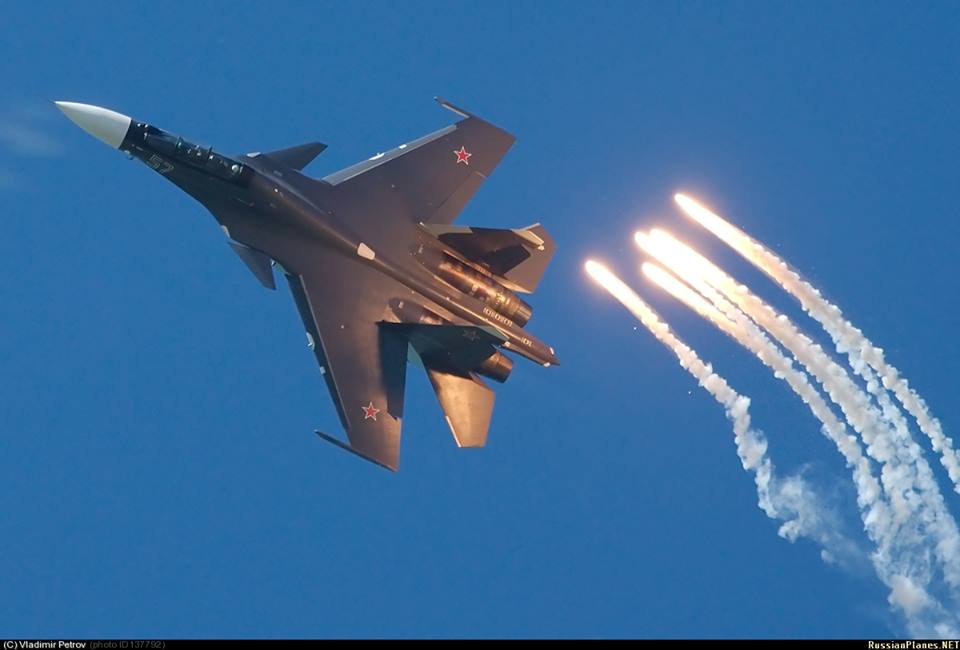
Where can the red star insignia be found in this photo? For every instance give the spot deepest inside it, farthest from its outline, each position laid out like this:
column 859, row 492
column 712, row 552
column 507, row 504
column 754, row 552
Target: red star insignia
column 463, row 156
column 370, row 412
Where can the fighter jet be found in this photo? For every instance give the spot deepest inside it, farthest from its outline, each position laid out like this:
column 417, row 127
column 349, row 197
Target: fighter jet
column 378, row 272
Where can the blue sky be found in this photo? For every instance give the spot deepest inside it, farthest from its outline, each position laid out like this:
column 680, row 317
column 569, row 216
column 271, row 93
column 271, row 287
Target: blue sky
column 158, row 471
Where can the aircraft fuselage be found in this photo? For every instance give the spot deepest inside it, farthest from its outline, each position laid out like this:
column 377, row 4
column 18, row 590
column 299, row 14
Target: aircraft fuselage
column 274, row 210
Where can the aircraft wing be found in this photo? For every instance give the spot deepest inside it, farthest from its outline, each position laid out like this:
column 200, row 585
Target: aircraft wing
column 427, row 180
column 364, row 363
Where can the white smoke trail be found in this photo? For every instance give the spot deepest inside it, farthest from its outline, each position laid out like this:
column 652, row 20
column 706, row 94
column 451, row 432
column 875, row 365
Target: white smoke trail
column 900, row 479
column 790, row 500
column 848, row 339
column 731, row 321
column 900, row 538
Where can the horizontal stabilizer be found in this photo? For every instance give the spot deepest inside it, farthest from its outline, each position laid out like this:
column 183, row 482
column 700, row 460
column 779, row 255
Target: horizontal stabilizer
column 467, row 404
column 258, row 263
column 297, row 157
column 517, row 256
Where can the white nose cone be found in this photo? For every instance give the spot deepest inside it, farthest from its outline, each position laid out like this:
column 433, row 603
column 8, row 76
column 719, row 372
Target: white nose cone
column 101, row 123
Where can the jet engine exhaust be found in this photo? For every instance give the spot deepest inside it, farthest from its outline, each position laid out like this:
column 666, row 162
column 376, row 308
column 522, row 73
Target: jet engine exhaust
column 482, row 287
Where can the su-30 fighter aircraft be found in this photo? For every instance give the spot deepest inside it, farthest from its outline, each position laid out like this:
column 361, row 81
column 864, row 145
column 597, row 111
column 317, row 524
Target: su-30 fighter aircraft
column 378, row 273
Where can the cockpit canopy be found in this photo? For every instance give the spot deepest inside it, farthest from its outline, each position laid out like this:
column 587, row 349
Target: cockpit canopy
column 204, row 158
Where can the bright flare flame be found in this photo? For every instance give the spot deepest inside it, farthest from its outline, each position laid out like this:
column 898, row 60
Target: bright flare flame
column 690, row 265
column 707, row 218
column 661, row 250
column 606, row 279
column 686, row 255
